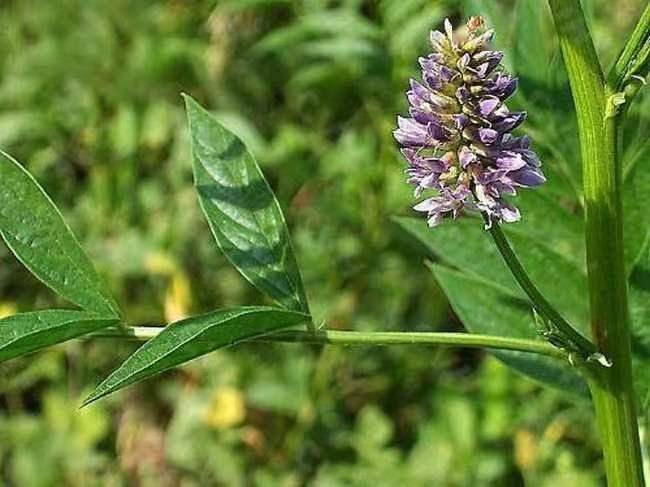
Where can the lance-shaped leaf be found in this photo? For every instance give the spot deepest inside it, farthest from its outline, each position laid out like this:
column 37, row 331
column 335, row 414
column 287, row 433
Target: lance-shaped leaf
column 36, row 233
column 485, row 308
column 242, row 211
column 193, row 337
column 27, row 332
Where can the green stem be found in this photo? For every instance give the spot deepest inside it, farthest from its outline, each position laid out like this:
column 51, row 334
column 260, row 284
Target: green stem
column 634, row 55
column 336, row 337
column 611, row 388
column 542, row 306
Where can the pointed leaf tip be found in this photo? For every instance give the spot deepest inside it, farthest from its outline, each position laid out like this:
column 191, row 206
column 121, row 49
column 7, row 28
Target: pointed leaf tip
column 24, row 333
column 193, row 337
column 242, row 211
column 34, row 230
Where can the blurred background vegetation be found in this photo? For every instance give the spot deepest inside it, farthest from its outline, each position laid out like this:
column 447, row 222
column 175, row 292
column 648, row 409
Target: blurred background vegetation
column 89, row 101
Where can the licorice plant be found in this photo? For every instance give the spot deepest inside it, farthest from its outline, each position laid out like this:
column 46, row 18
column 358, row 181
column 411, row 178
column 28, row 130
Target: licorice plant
column 467, row 156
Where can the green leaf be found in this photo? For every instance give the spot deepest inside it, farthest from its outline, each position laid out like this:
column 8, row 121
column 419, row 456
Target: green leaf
column 531, row 46
column 485, row 308
column 193, row 337
column 551, row 224
column 27, row 332
column 636, row 183
column 36, row 233
column 636, row 198
column 242, row 211
column 465, row 245
column 639, row 298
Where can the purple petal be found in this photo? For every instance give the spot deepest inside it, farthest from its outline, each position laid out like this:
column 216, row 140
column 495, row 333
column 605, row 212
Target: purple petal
column 463, row 62
column 466, row 157
column 461, row 120
column 505, row 188
column 462, row 94
column 487, row 136
column 527, row 177
column 422, row 116
column 510, row 161
column 488, row 104
column 439, row 41
column 437, row 132
column 509, row 214
column 510, row 122
column 492, row 57
column 506, row 86
column 418, row 96
column 482, row 70
column 410, row 133
column 530, row 157
column 418, row 89
column 491, row 176
column 515, row 143
column 427, row 205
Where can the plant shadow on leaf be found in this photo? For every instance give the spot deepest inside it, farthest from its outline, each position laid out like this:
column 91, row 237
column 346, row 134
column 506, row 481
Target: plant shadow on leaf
column 242, row 211
column 252, row 197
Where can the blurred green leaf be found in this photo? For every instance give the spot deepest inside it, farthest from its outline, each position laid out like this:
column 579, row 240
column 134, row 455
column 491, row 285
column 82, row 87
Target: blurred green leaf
column 36, row 233
column 636, row 231
column 242, row 211
column 373, row 431
column 636, row 200
column 409, row 23
column 552, row 224
column 496, row 16
column 15, row 125
column 328, row 24
column 340, row 49
column 485, row 308
column 465, row 245
column 636, row 181
column 123, row 132
column 531, row 53
column 187, row 339
column 639, row 297
column 27, row 332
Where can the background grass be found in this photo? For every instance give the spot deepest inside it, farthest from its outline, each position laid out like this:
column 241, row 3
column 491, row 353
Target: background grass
column 89, row 101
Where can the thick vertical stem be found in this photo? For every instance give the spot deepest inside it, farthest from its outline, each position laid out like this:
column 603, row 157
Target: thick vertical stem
column 611, row 388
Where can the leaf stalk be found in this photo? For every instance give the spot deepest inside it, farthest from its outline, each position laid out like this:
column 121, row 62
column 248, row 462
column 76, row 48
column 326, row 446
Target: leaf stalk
column 362, row 338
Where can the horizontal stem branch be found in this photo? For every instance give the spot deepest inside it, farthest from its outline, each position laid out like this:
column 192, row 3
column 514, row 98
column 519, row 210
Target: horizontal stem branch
column 361, row 338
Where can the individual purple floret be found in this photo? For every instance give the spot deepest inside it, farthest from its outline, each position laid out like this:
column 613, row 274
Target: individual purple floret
column 458, row 139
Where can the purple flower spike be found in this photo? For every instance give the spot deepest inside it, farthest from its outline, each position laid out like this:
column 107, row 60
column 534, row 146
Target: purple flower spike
column 458, row 140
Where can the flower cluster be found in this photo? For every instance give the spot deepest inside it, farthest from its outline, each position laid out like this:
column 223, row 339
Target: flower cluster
column 458, row 139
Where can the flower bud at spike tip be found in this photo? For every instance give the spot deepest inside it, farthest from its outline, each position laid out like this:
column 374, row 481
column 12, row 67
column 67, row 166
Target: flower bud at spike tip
column 457, row 140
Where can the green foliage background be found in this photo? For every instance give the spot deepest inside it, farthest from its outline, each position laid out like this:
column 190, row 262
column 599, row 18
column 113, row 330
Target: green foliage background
column 90, row 102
